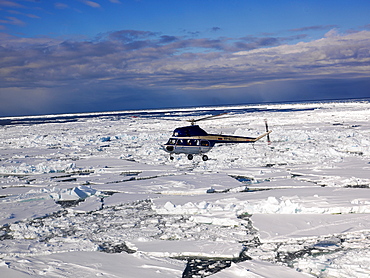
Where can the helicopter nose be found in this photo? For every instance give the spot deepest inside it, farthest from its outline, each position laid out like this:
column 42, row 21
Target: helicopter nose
column 169, row 148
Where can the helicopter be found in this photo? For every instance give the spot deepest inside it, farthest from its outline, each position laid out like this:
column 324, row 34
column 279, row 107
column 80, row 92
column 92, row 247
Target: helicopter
column 193, row 140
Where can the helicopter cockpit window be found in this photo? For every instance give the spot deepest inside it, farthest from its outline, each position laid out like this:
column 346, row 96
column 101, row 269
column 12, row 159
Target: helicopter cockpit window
column 171, row 142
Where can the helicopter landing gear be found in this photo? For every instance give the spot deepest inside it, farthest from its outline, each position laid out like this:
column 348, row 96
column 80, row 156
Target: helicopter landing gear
column 191, row 157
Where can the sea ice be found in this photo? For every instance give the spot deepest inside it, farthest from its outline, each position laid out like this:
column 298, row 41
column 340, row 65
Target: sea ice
column 99, row 197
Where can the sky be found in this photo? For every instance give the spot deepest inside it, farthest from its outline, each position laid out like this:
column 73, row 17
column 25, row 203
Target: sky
column 75, row 56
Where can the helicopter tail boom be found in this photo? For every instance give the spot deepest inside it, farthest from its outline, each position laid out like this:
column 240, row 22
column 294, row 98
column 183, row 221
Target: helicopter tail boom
column 263, row 135
column 235, row 139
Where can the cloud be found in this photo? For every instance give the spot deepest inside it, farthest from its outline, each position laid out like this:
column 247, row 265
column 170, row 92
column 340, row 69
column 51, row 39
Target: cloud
column 332, row 33
column 191, row 33
column 215, row 29
column 11, row 4
column 12, row 21
column 115, row 65
column 123, row 54
column 314, row 28
column 91, row 4
column 167, row 39
column 129, row 35
column 61, row 6
column 24, row 14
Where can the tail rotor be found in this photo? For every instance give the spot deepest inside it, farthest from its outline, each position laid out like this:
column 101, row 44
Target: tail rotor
column 267, row 130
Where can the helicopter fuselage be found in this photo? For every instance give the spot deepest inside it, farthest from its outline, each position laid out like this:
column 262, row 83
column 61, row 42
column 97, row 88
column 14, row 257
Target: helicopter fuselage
column 194, row 140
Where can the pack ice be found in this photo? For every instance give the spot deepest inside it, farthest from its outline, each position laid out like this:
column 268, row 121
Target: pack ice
column 97, row 196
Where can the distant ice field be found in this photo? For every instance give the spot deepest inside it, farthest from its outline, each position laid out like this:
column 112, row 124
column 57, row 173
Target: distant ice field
column 95, row 194
column 163, row 113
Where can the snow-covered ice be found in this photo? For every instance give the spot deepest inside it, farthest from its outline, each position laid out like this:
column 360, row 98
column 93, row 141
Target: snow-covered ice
column 95, row 195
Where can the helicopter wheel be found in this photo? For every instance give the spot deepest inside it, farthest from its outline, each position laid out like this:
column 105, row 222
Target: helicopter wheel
column 205, row 158
column 190, row 156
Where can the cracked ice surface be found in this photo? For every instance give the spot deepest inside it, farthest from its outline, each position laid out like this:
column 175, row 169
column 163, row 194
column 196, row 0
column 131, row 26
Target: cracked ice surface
column 97, row 196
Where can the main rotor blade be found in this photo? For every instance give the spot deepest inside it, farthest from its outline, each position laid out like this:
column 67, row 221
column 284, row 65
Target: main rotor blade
column 205, row 118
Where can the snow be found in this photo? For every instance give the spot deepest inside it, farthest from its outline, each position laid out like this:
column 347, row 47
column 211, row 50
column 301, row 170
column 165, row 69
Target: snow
column 90, row 264
column 97, row 195
column 258, row 269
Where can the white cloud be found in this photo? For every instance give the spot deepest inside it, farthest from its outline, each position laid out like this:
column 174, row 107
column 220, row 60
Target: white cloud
column 91, row 4
column 11, row 4
column 12, row 21
column 61, row 6
column 107, row 59
column 332, row 33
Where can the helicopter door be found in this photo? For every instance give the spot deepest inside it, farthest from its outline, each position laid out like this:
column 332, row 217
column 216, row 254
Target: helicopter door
column 205, row 146
column 179, row 147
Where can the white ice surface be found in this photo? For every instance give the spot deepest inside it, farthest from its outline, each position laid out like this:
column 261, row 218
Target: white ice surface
column 93, row 264
column 308, row 191
column 276, row 227
column 258, row 269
